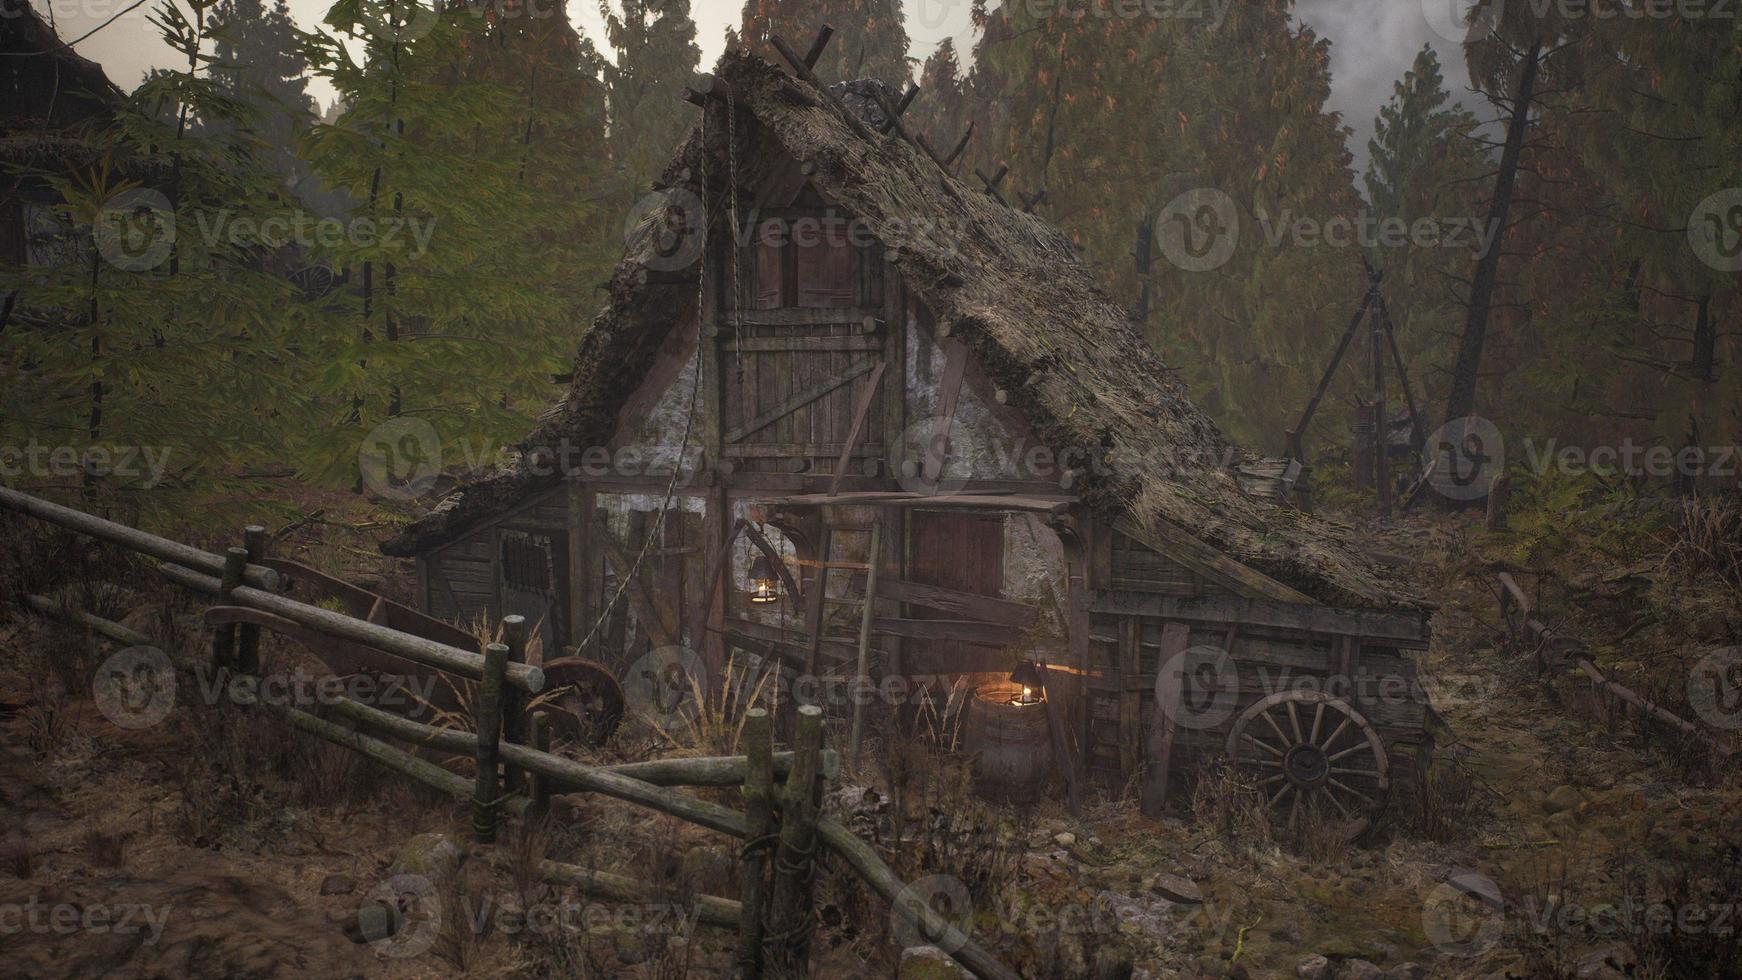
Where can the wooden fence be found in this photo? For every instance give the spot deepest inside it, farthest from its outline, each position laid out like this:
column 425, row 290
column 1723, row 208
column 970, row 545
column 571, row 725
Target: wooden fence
column 517, row 774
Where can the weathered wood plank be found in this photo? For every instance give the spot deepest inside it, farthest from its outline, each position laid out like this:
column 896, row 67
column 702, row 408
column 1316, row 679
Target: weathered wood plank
column 1187, row 549
column 1404, row 628
column 1004, row 612
column 958, row 630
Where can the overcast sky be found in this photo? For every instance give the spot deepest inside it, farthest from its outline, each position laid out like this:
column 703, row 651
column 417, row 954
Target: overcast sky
column 1372, row 41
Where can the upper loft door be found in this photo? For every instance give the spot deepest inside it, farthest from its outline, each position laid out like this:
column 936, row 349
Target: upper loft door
column 801, row 335
column 964, row 552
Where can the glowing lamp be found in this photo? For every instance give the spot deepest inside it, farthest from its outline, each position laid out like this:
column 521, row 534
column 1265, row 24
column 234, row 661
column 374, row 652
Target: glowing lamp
column 764, row 586
column 1028, row 675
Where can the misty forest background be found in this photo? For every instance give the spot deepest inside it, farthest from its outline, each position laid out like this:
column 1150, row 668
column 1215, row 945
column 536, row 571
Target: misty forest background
column 522, row 147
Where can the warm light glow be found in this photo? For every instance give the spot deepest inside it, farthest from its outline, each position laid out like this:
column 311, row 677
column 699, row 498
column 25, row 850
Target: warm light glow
column 1026, row 697
column 764, row 593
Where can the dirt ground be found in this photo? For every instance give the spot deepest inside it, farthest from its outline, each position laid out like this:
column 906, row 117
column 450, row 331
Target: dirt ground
column 214, row 844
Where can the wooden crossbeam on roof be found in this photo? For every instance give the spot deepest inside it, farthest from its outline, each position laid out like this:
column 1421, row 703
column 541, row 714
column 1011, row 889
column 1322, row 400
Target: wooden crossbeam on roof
column 961, row 145
column 901, row 107
column 1030, row 203
column 993, row 181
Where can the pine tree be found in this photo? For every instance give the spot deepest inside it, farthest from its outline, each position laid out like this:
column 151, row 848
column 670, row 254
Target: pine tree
column 941, row 110
column 656, row 58
column 870, row 39
column 256, row 60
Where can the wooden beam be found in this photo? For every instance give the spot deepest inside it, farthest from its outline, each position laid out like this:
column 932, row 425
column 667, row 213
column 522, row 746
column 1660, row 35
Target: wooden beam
column 801, row 399
column 1296, row 434
column 862, row 669
column 1401, row 628
column 956, row 630
column 814, row 600
column 1126, row 661
column 900, row 498
column 860, row 412
column 1187, row 549
column 967, row 605
column 791, row 643
column 961, row 145
column 901, row 107
column 821, row 42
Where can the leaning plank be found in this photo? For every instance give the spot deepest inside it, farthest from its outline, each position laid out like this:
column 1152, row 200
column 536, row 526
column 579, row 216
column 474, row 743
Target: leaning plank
column 426, row 652
column 132, row 538
column 96, row 624
column 1187, row 549
column 801, row 399
column 860, row 411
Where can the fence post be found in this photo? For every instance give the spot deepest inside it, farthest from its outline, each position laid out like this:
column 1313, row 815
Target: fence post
column 759, row 810
column 790, row 918
column 248, row 637
column 488, row 715
column 224, row 640
column 513, row 703
column 538, row 785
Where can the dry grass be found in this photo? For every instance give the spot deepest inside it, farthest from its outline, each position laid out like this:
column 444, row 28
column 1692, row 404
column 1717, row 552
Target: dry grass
column 1227, row 800
column 1706, row 543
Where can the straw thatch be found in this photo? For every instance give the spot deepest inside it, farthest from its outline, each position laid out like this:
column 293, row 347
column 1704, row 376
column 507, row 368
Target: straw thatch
column 1009, row 286
column 43, row 83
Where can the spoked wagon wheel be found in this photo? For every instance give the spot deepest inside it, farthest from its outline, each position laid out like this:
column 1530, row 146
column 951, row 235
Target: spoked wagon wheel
column 583, row 699
column 1314, row 751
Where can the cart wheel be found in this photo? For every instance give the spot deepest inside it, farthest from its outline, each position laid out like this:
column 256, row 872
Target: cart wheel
column 1314, row 750
column 583, row 698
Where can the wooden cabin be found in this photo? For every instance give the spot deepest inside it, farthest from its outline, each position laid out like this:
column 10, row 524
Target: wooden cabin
column 49, row 96
column 775, row 398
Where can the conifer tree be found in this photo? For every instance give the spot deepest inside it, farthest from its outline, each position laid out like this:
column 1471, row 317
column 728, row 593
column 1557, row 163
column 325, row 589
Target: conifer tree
column 870, row 39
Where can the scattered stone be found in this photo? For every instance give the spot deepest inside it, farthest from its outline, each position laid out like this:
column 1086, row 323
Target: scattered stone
column 338, row 885
column 1562, row 799
column 1065, row 839
column 1178, row 889
column 434, row 856
column 1361, row 970
column 373, row 921
column 928, row 963
column 1314, row 967
column 1406, row 971
column 631, row 946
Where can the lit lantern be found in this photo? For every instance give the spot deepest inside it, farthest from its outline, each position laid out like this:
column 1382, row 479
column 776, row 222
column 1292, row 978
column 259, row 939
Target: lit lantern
column 1028, row 675
column 764, row 586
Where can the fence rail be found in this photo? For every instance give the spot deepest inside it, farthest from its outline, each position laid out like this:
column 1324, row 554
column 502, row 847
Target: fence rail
column 776, row 919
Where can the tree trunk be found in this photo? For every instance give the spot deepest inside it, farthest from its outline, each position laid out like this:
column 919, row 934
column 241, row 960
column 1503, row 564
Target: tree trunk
column 1464, row 371
column 1705, row 340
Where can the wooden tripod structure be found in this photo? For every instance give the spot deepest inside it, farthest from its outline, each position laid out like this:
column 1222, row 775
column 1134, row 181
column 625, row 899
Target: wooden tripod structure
column 1382, row 338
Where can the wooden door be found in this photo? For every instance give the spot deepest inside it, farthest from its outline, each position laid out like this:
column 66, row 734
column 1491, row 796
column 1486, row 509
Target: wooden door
column 534, row 572
column 960, row 551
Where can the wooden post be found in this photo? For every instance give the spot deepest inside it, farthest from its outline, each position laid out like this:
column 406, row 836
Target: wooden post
column 861, row 672
column 1175, row 638
column 787, row 946
column 537, row 784
column 759, row 811
column 815, row 607
column 248, row 636
column 1498, row 491
column 224, row 639
column 513, row 702
column 1381, row 420
column 488, row 714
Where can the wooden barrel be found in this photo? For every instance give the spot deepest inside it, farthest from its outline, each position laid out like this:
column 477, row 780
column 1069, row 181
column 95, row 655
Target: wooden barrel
column 1013, row 752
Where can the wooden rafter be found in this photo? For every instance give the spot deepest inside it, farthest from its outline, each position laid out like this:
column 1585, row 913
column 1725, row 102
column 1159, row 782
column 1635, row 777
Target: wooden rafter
column 949, row 393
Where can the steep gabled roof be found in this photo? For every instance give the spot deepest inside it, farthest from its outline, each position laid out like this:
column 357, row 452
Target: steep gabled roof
column 43, row 82
column 1009, row 286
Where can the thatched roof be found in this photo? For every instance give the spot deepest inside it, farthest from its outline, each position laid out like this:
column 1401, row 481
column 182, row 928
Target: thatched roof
column 43, row 83
column 1010, row 286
